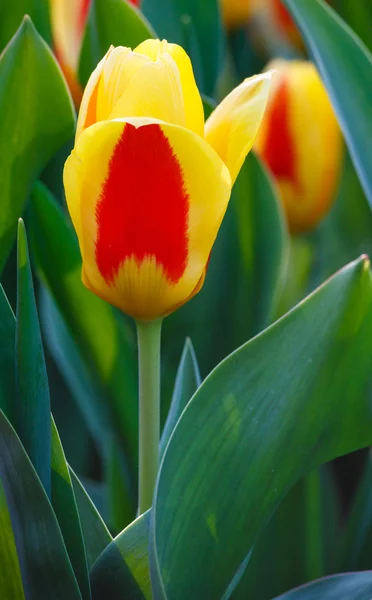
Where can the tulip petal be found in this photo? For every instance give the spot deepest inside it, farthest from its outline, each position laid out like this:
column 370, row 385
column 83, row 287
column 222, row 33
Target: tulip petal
column 158, row 50
column 232, row 127
column 147, row 199
column 88, row 107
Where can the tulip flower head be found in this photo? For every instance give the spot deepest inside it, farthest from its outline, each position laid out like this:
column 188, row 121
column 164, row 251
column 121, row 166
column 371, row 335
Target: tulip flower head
column 147, row 183
column 300, row 142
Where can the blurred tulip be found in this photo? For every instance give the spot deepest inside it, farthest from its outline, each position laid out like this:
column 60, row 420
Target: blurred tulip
column 146, row 185
column 68, row 19
column 236, row 12
column 300, row 142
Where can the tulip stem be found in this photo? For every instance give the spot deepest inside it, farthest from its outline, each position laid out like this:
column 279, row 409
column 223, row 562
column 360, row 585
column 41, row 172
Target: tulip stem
column 148, row 335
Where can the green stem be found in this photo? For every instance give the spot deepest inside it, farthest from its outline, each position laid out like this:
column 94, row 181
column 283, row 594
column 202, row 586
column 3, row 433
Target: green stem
column 148, row 334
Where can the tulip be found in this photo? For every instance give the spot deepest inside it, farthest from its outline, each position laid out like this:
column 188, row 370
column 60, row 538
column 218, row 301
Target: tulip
column 236, row 13
column 300, row 142
column 68, row 19
column 147, row 184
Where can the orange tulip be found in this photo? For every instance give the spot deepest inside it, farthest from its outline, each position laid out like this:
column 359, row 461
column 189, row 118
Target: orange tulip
column 68, row 18
column 300, row 142
column 147, row 184
column 236, row 12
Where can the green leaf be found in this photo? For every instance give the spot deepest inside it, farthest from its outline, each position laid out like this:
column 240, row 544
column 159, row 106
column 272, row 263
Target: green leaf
column 12, row 13
column 249, row 256
column 187, row 382
column 111, row 22
column 45, row 566
column 358, row 16
column 10, row 575
column 7, row 358
column 95, row 533
column 104, row 341
column 122, row 571
column 294, row 397
column 346, row 67
column 32, row 399
column 349, row 586
column 197, row 27
column 355, row 550
column 66, row 511
column 298, row 543
column 37, row 117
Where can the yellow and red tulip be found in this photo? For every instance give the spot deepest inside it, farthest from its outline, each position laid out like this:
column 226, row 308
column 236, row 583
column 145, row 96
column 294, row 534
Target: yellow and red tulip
column 147, row 183
column 300, row 142
column 68, row 18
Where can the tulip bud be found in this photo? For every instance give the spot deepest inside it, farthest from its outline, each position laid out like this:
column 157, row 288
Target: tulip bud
column 146, row 186
column 301, row 144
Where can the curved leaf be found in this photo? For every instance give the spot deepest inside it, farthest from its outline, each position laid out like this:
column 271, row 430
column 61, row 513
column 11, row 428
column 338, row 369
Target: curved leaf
column 346, row 67
column 45, row 566
column 349, row 586
column 187, row 382
column 95, row 533
column 91, row 324
column 37, row 118
column 121, row 572
column 32, row 399
column 66, row 511
column 294, row 397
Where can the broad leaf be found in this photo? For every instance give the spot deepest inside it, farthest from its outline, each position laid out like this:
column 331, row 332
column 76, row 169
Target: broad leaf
column 122, row 571
column 349, row 586
column 37, row 117
column 346, row 67
column 45, row 566
column 294, row 397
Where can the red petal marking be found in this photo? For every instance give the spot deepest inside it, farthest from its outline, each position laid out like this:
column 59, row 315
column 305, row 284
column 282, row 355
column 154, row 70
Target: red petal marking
column 283, row 16
column 84, row 10
column 143, row 208
column 279, row 150
column 135, row 2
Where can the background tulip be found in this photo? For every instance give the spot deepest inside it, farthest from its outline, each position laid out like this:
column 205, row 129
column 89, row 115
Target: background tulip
column 146, row 189
column 236, row 12
column 300, row 142
column 68, row 20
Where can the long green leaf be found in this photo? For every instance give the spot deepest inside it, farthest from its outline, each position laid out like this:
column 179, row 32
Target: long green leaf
column 292, row 398
column 45, row 566
column 121, row 572
column 37, row 117
column 64, row 505
column 187, row 382
column 10, row 575
column 7, row 358
column 104, row 342
column 96, row 535
column 111, row 22
column 349, row 586
column 33, row 402
column 346, row 67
